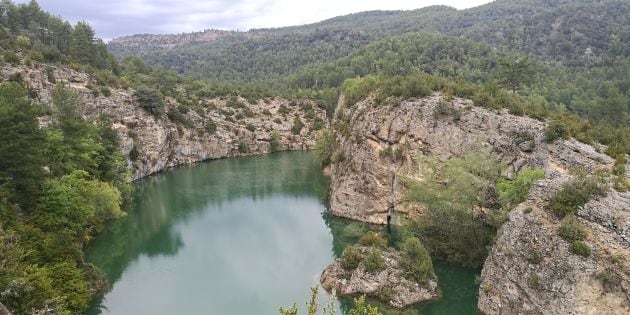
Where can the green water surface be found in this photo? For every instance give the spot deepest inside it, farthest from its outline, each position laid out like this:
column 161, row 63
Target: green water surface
column 235, row 236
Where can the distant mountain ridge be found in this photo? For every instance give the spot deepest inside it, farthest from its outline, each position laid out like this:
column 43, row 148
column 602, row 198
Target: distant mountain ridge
column 567, row 31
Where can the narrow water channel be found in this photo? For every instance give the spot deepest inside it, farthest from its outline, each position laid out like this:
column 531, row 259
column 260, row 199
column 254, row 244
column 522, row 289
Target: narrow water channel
column 234, row 236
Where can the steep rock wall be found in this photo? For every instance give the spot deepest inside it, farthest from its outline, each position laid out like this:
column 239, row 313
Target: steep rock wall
column 161, row 143
column 375, row 141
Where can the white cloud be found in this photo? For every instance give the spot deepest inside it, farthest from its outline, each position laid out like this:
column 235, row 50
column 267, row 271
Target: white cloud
column 115, row 18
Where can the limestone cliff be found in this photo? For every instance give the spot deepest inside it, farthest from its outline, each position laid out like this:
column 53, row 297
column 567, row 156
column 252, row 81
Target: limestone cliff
column 376, row 141
column 161, row 143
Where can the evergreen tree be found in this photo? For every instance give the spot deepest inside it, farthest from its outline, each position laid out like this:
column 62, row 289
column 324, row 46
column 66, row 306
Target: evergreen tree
column 21, row 143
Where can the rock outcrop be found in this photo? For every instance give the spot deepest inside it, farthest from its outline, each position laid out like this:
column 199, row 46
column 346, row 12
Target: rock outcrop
column 381, row 140
column 389, row 284
column 376, row 141
column 159, row 143
column 558, row 281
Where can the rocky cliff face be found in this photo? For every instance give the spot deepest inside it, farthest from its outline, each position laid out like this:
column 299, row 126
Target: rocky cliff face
column 559, row 282
column 376, row 141
column 159, row 143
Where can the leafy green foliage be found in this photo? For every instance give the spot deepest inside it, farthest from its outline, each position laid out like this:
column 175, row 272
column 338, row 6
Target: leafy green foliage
column 556, row 130
column 351, row 258
column 275, row 142
column 373, row 261
column 535, row 257
column 325, row 146
column 150, row 100
column 373, row 239
column 71, row 179
column 23, row 32
column 452, row 190
column 415, row 260
column 360, row 306
column 580, row 248
column 515, row 73
column 298, row 125
column 211, row 126
column 571, row 229
column 21, row 141
column 575, row 194
column 77, row 203
column 513, row 192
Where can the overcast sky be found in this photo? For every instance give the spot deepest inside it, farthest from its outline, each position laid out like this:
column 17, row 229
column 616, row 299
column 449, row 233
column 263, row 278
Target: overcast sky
column 115, row 18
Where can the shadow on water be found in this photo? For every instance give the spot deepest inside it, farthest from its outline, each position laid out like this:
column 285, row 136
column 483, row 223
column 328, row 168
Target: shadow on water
column 241, row 229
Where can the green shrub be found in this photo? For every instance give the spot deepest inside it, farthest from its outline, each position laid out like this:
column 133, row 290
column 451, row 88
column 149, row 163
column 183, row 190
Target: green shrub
column 11, row 57
column 134, row 153
column 338, row 157
column 250, row 127
column 604, row 276
column 177, row 117
column 534, row 281
column 399, row 154
column 571, row 229
column 106, row 91
column 556, row 130
column 512, row 192
column 415, row 260
column 373, row 239
column 350, row 258
column 50, row 74
column 283, row 110
column 297, row 125
column 374, row 261
column 318, row 124
column 353, row 230
column 243, row 148
column 575, row 194
column 535, row 257
column 275, row 142
column 235, row 103
column 580, row 248
column 211, row 126
column 150, row 100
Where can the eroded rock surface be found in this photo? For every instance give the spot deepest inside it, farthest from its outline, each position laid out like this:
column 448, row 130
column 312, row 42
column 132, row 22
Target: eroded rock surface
column 389, row 284
column 384, row 139
column 562, row 282
column 376, row 141
column 162, row 143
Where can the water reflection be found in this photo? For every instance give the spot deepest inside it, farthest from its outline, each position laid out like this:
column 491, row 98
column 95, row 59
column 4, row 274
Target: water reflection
column 236, row 236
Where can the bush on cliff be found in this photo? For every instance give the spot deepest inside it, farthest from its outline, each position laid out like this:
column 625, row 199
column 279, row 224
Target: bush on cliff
column 415, row 260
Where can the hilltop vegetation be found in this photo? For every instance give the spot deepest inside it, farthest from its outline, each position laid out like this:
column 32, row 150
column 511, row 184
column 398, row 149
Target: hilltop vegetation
column 574, row 56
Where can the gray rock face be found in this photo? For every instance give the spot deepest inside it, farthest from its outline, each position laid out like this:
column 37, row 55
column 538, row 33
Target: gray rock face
column 562, row 283
column 384, row 139
column 161, row 143
column 401, row 292
column 361, row 186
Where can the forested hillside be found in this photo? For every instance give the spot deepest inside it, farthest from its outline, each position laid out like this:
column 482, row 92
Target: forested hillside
column 573, row 56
